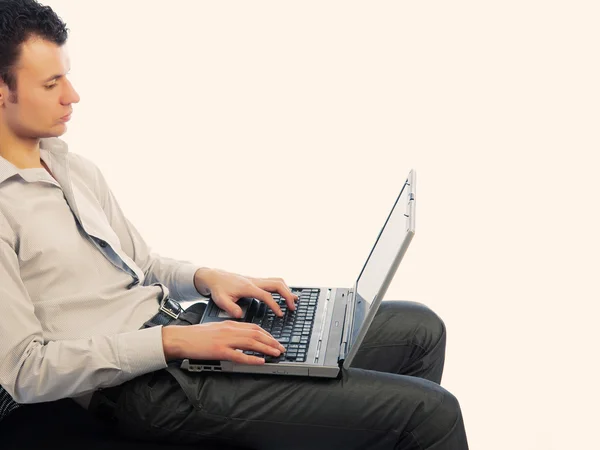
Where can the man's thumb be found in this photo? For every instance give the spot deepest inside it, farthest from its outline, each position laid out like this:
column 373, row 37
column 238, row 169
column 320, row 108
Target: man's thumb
column 233, row 310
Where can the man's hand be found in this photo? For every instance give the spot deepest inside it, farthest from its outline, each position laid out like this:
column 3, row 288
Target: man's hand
column 227, row 288
column 219, row 341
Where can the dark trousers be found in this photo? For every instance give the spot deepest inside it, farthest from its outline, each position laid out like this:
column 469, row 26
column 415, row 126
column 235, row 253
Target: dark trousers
column 389, row 399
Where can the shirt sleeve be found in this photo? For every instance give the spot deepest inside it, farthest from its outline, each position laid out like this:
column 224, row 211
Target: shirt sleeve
column 35, row 370
column 176, row 275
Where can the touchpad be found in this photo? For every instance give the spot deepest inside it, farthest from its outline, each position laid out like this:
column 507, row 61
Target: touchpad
column 225, row 315
column 244, row 303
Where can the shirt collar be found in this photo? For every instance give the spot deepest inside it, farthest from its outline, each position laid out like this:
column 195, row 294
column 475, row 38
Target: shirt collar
column 49, row 149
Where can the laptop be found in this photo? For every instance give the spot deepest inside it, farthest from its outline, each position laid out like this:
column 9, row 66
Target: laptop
column 329, row 324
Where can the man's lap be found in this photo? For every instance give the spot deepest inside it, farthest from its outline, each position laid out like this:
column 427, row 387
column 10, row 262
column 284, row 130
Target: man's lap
column 361, row 406
column 252, row 407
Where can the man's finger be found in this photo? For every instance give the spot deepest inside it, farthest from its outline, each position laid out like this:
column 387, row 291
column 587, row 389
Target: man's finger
column 250, row 343
column 242, row 358
column 279, row 286
column 231, row 308
column 264, row 296
column 252, row 326
column 256, row 335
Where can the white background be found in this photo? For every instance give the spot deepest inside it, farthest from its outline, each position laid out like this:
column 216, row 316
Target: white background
column 271, row 138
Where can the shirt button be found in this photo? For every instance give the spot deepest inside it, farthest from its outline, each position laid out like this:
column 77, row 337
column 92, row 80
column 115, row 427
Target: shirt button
column 102, row 244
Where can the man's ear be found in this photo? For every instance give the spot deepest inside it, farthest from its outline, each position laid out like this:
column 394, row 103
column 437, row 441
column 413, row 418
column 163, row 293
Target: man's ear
column 3, row 92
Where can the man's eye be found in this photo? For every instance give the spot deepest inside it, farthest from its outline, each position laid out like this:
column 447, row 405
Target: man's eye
column 50, row 87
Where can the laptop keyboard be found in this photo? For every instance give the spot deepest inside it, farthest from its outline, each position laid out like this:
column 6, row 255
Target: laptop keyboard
column 293, row 330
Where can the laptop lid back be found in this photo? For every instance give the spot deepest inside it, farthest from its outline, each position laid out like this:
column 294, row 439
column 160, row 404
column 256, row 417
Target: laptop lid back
column 380, row 267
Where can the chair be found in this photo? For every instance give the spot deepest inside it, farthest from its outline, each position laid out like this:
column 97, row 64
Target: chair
column 63, row 424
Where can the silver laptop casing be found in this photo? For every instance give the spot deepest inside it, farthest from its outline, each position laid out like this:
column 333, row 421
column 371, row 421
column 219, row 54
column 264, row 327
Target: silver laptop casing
column 338, row 330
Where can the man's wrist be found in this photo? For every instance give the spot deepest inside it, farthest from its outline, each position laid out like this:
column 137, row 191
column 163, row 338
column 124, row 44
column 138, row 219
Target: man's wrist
column 201, row 282
column 169, row 339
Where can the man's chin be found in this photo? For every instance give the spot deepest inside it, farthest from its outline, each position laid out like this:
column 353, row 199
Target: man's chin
column 56, row 131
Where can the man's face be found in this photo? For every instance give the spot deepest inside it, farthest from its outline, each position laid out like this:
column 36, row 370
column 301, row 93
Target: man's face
column 41, row 99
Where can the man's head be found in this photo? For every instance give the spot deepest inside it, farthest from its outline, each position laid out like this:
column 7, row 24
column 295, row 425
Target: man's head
column 34, row 91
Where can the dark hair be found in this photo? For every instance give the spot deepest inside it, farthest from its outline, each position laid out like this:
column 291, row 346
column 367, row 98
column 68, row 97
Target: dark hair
column 20, row 20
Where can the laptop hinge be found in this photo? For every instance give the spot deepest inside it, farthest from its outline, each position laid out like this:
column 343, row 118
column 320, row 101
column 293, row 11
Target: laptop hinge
column 347, row 324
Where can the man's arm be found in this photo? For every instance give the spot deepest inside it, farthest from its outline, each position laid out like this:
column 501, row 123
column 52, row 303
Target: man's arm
column 34, row 370
column 179, row 276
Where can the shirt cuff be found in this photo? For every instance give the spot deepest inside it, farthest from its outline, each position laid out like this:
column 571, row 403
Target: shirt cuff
column 141, row 351
column 184, row 282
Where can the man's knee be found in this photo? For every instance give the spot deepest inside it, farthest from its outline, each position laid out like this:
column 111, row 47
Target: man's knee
column 448, row 413
column 438, row 421
column 426, row 327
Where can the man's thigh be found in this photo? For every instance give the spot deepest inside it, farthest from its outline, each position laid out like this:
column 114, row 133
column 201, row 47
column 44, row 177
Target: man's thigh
column 361, row 409
column 406, row 338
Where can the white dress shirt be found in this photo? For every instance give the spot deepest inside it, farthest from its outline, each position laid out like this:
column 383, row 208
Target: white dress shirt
column 76, row 283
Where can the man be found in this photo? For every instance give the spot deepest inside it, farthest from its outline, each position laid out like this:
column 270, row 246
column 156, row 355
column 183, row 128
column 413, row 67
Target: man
column 79, row 282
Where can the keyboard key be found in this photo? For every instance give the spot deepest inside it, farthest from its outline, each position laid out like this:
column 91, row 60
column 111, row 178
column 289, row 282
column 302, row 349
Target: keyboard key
column 272, row 359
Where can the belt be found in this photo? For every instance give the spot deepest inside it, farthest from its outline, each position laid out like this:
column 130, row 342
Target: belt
column 168, row 311
column 104, row 400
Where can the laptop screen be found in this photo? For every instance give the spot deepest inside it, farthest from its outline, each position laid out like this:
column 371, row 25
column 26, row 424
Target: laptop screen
column 380, row 260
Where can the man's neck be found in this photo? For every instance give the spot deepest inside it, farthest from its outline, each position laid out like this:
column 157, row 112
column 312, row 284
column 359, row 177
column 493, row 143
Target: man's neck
column 24, row 154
